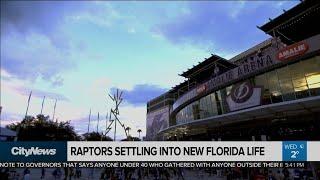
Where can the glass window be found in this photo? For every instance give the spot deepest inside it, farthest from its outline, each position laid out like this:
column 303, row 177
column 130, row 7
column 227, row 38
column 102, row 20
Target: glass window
column 311, row 66
column 296, row 69
column 208, row 108
column 213, row 102
column 203, row 108
column 221, row 101
column 218, row 102
column 261, row 80
column 225, row 106
column 312, row 74
column 287, row 89
column 284, row 73
column 314, row 84
column 210, row 105
column 228, row 89
column 313, row 80
column 274, row 88
column 300, row 86
column 196, row 111
column 299, row 81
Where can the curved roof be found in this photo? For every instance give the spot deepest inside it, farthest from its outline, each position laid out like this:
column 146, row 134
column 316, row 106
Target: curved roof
column 205, row 66
column 296, row 24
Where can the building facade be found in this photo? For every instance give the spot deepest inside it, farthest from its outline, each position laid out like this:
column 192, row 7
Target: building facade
column 269, row 92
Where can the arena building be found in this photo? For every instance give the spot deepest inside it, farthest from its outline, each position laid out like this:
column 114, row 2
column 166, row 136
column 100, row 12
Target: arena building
column 269, row 92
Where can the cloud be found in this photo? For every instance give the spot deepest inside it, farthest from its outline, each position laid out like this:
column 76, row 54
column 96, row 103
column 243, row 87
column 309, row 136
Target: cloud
column 57, row 81
column 34, row 36
column 20, row 87
column 81, row 123
column 14, row 96
column 141, row 93
column 102, row 14
column 32, row 57
column 8, row 118
column 43, row 18
column 218, row 26
column 33, row 43
column 132, row 30
column 39, row 93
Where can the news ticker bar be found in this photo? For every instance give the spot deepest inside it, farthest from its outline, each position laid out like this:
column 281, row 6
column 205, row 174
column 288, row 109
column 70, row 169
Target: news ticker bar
column 160, row 151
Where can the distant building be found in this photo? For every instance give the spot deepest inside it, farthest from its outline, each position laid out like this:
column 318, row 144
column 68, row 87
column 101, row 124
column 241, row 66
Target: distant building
column 7, row 134
column 269, row 92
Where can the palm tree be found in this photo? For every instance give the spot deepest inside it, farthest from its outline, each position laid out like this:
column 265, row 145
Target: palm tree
column 128, row 129
column 139, row 131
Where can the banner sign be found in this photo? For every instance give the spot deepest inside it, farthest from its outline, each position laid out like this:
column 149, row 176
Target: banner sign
column 161, row 151
column 243, row 96
column 201, row 89
column 157, row 121
column 293, row 50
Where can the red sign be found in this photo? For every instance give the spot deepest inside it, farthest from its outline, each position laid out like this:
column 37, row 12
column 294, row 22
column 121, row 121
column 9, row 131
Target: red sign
column 293, row 50
column 202, row 88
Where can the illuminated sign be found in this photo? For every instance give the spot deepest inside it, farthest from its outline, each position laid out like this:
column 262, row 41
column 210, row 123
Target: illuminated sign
column 292, row 51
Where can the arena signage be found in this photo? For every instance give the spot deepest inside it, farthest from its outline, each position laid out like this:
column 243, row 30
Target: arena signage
column 202, row 88
column 292, row 51
column 243, row 96
column 242, row 92
column 254, row 63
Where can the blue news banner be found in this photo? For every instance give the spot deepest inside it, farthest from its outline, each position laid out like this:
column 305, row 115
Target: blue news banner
column 268, row 154
column 294, row 150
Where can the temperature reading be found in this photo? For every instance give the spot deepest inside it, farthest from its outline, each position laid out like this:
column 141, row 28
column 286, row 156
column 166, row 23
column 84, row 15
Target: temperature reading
column 294, row 150
column 294, row 154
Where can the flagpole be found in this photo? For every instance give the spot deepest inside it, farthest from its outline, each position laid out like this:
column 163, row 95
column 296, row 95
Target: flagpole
column 25, row 117
column 0, row 118
column 106, row 122
column 98, row 123
column 28, row 104
column 54, row 110
column 44, row 97
column 89, row 120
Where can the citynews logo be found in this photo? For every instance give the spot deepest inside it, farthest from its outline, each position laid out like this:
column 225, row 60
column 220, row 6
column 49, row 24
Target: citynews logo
column 21, row 151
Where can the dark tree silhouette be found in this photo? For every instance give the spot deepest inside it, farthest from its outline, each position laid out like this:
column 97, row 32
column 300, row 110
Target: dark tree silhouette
column 128, row 129
column 139, row 131
column 94, row 136
column 41, row 128
column 130, row 138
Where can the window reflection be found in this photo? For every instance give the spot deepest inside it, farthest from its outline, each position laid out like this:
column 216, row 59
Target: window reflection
column 314, row 81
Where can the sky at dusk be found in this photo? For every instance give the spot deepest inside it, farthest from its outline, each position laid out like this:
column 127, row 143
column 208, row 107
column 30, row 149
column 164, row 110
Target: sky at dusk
column 78, row 52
